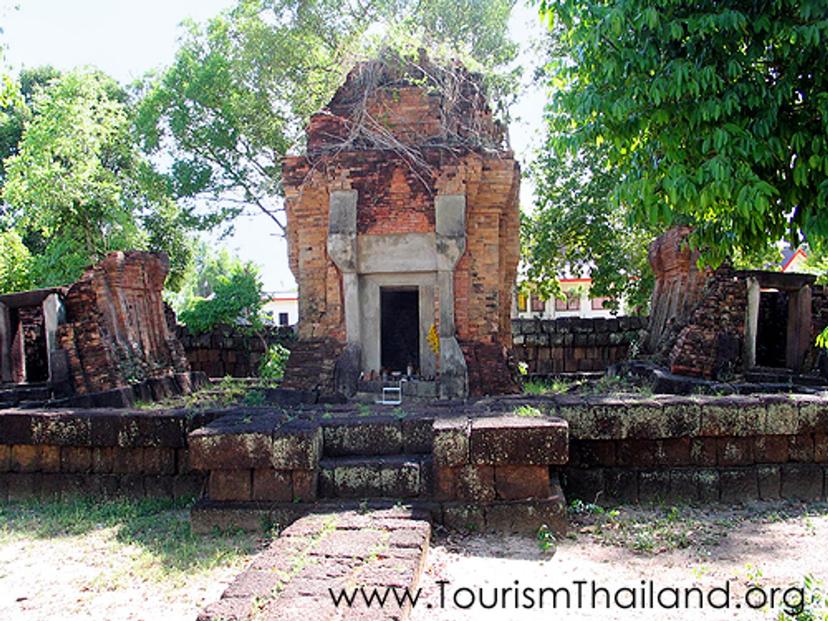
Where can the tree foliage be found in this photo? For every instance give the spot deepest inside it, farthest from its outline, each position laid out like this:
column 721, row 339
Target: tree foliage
column 75, row 185
column 576, row 229
column 15, row 263
column 243, row 85
column 713, row 114
column 237, row 298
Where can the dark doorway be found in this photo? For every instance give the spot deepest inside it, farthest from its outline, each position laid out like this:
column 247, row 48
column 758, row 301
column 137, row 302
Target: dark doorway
column 399, row 329
column 772, row 329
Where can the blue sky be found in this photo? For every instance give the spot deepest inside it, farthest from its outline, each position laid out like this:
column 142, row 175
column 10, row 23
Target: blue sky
column 127, row 38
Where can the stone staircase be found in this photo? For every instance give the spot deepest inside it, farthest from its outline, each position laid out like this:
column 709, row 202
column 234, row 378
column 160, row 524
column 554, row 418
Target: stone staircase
column 24, row 395
column 311, row 365
column 371, row 458
column 488, row 473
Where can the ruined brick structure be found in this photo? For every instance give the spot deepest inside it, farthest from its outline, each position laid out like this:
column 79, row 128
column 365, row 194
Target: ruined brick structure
column 116, row 330
column 402, row 221
column 718, row 324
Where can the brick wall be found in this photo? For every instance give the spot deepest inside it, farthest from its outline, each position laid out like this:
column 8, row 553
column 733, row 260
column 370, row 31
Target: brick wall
column 229, row 351
column 93, row 452
column 572, row 344
column 728, row 449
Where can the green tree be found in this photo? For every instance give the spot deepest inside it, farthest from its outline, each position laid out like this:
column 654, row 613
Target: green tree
column 15, row 263
column 78, row 187
column 713, row 114
column 242, row 86
column 237, row 298
column 575, row 228
column 17, row 109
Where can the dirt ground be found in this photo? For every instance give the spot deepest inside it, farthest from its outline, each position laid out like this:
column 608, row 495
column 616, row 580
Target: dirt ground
column 141, row 563
column 765, row 546
column 127, row 562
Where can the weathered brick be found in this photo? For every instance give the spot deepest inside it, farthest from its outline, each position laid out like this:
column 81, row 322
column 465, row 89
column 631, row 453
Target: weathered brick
column 735, row 451
column 653, row 485
column 305, row 485
column 296, row 445
column 770, row 482
column 515, row 482
column 673, row 452
column 365, row 436
column 684, row 485
column 703, row 452
column 159, row 460
column 50, row 458
column 188, row 485
column 230, row 485
column 621, row 485
column 637, row 453
column 128, row 461
column 273, row 485
column 451, row 441
column 586, row 484
column 23, row 485
column 802, row 481
column 235, row 441
column 103, row 459
column 586, row 453
column 771, row 449
column 463, row 517
column 474, row 483
column 821, row 447
column 739, row 485
column 519, row 440
column 801, row 448
column 76, row 459
column 24, row 458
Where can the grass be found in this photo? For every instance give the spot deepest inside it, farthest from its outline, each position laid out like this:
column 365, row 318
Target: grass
column 555, row 387
column 527, row 411
column 147, row 538
column 654, row 530
column 228, row 392
column 605, row 385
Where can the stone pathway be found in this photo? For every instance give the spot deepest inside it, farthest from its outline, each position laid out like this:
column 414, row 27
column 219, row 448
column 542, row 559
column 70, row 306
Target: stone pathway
column 321, row 556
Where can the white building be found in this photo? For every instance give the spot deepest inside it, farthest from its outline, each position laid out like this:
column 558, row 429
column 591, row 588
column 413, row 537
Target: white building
column 577, row 302
column 282, row 308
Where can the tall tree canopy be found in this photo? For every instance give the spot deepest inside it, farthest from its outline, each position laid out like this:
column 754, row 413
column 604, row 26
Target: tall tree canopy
column 708, row 113
column 576, row 229
column 76, row 186
column 243, row 85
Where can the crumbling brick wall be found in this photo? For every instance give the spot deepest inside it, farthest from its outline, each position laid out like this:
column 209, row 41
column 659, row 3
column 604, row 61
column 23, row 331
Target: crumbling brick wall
column 116, row 331
column 711, row 344
column 679, row 286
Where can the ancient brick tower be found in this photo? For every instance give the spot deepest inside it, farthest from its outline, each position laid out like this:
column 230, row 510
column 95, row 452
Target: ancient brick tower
column 402, row 222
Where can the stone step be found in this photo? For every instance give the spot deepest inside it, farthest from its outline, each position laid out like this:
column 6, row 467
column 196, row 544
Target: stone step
column 25, row 392
column 378, row 476
column 377, row 435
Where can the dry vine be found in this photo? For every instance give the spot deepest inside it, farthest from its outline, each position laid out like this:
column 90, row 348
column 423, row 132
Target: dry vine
column 465, row 125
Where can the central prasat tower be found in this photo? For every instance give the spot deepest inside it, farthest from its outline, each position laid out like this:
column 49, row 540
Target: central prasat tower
column 402, row 228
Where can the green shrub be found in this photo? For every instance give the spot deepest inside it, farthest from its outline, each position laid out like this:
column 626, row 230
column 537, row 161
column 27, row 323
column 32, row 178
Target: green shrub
column 274, row 361
column 237, row 297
